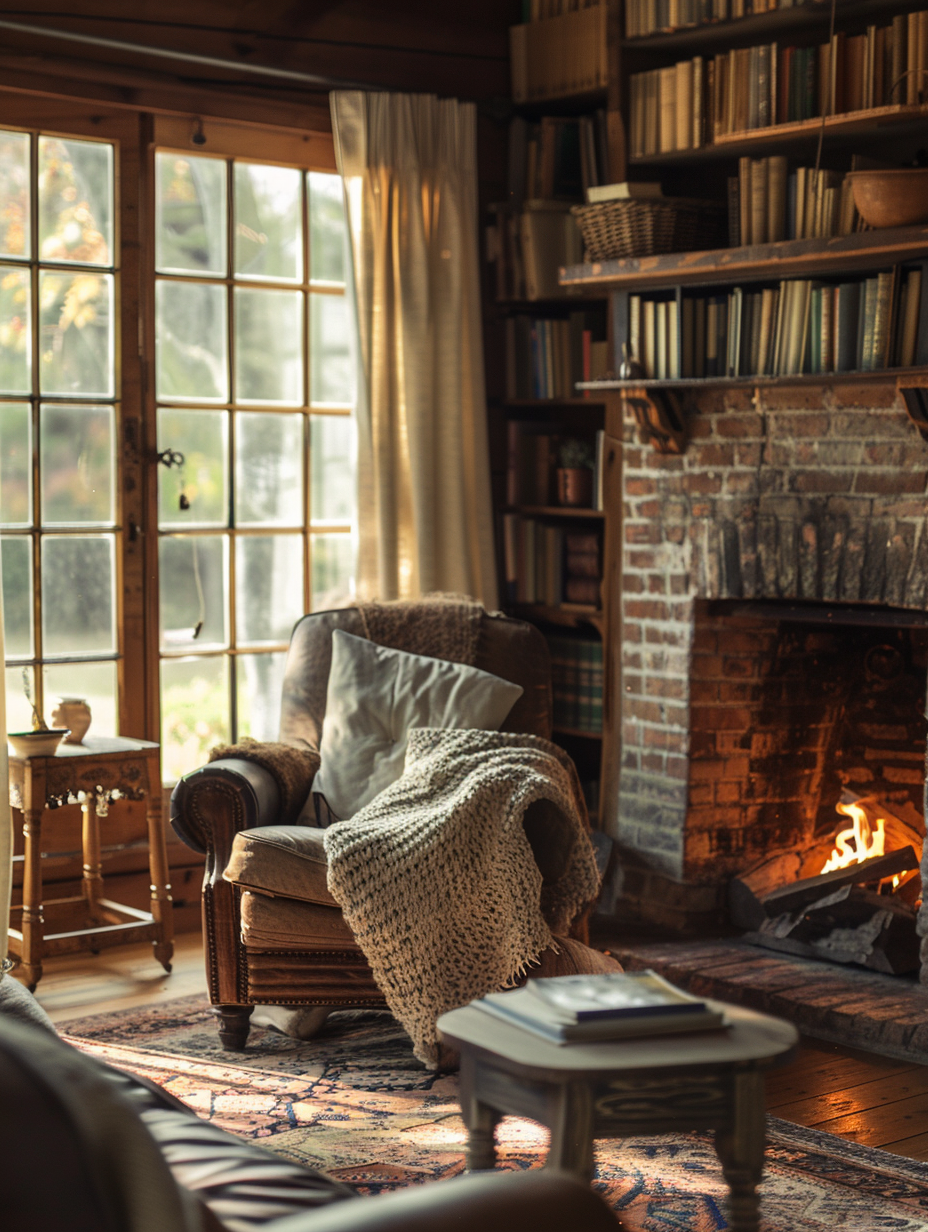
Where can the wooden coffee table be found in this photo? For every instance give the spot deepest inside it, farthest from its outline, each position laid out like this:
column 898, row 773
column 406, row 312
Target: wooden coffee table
column 708, row 1080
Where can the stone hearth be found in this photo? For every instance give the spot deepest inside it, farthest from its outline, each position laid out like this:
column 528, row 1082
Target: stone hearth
column 788, row 515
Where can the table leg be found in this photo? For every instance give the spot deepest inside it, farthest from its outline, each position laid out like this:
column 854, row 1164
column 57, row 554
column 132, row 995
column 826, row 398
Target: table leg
column 33, row 918
column 161, row 903
column 92, row 883
column 571, row 1124
column 480, row 1119
column 740, row 1149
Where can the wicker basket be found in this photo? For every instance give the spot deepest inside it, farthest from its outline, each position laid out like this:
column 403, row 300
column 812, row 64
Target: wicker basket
column 613, row 229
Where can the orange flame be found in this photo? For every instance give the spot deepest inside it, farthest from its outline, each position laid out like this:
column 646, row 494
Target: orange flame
column 858, row 842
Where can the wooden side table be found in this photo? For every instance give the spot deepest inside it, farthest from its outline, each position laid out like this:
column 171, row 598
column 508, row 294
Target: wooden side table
column 701, row 1080
column 92, row 773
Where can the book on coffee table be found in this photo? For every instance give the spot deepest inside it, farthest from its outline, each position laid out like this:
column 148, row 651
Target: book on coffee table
column 615, row 1005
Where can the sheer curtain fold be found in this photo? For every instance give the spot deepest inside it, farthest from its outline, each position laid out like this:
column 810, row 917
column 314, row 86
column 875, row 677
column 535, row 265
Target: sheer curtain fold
column 424, row 519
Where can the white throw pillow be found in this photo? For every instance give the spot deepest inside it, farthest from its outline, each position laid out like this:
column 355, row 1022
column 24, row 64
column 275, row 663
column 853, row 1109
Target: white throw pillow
column 375, row 695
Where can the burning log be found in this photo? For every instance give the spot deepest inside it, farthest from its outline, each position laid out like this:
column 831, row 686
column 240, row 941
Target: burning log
column 751, row 905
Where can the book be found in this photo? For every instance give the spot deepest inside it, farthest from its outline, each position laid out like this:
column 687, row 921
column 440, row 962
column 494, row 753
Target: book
column 626, row 191
column 620, row 1005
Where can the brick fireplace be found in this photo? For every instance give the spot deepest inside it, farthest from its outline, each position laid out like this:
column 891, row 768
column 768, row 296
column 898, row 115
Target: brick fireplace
column 774, row 639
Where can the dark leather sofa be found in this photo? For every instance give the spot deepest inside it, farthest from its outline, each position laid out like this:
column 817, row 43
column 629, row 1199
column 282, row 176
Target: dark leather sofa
column 89, row 1148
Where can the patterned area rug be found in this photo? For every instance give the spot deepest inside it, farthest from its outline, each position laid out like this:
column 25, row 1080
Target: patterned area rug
column 355, row 1102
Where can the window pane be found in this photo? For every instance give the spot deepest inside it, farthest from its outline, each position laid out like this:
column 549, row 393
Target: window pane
column 268, row 470
column 268, row 346
column 192, row 344
column 332, row 491
column 76, row 351
column 203, row 438
column 268, row 223
column 259, row 685
column 194, row 712
column 78, row 594
column 15, row 464
column 95, row 682
column 75, row 201
column 76, row 457
column 194, row 583
column 18, row 707
column 190, row 215
column 16, row 554
column 268, row 587
column 15, row 331
column 330, row 351
column 333, row 570
column 326, row 228
column 14, row 195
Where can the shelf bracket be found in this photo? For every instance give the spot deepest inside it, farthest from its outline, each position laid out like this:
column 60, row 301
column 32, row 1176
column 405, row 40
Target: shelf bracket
column 660, row 418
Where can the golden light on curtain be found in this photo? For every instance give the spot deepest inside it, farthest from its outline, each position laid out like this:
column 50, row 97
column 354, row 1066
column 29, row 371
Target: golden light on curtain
column 424, row 516
column 6, row 820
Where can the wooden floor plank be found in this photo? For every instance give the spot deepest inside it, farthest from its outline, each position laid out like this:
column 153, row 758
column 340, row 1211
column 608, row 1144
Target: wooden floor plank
column 817, row 1074
column 912, row 1148
column 892, row 1122
column 862, row 1098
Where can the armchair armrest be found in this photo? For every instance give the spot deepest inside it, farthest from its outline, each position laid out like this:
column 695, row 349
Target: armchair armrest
column 210, row 805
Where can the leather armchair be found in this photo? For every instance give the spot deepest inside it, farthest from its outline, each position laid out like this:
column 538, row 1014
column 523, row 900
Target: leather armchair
column 273, row 933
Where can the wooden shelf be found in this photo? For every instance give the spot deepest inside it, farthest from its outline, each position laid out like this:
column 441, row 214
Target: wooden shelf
column 570, row 615
column 757, row 262
column 893, row 120
column 531, row 404
column 558, row 511
column 558, row 730
column 907, row 377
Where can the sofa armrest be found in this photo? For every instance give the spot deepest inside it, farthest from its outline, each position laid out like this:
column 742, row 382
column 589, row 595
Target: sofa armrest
column 543, row 1200
column 210, row 805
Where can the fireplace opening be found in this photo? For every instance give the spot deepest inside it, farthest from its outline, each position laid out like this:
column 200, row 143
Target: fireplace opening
column 827, row 822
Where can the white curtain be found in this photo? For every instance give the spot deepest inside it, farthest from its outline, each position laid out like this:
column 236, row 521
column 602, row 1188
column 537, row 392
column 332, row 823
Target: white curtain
column 409, row 164
column 6, row 819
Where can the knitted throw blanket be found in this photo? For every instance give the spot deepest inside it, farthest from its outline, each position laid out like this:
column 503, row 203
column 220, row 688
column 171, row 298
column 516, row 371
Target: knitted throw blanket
column 442, row 626
column 436, row 877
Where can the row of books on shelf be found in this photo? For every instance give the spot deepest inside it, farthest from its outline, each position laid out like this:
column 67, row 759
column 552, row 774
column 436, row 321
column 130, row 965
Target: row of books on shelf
column 544, row 563
column 577, row 683
column 534, row 452
column 557, row 157
column 546, row 358
column 541, row 10
column 767, row 202
column 567, row 1009
column 799, row 326
column 644, row 17
column 527, row 247
column 685, row 105
column 559, row 54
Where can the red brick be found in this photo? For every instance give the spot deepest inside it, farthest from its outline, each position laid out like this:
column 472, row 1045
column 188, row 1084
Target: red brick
column 741, row 668
column 740, row 485
column 659, row 738
column 677, row 767
column 700, row 427
column 653, row 763
column 705, row 637
column 632, row 584
column 641, row 560
column 888, row 483
column 702, row 484
column 640, row 487
column 632, row 683
column 874, row 425
column 864, row 395
column 642, row 532
column 674, row 534
column 707, row 666
column 821, row 481
column 709, row 770
column 665, row 637
column 666, row 686
column 701, row 509
column 730, row 692
column 648, row 609
column 631, row 734
column 721, row 718
column 665, row 462
column 748, row 454
column 642, row 710
column 728, row 792
column 710, row 455
column 632, row 458
column 657, row 584
column 740, row 425
column 631, row 632
column 792, row 397
column 704, row 691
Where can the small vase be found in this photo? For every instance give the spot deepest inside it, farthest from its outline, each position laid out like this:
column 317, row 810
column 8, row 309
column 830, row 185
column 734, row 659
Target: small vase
column 574, row 485
column 72, row 712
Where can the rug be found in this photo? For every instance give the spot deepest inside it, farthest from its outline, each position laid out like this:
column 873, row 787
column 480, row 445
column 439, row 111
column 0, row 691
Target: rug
column 355, row 1102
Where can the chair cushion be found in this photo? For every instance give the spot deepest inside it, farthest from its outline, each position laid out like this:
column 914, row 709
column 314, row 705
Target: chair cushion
column 287, row 861
column 286, row 924
column 375, row 695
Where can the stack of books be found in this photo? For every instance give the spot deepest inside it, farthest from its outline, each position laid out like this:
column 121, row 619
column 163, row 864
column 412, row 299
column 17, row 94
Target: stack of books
column 533, row 560
column 584, row 1008
column 767, row 203
column 582, row 567
column 644, row 17
column 557, row 158
column 546, row 358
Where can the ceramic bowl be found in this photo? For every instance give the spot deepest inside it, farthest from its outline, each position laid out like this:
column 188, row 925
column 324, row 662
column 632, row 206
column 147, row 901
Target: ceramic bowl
column 895, row 198
column 36, row 743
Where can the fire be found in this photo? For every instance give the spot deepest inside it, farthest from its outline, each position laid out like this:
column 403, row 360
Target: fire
column 858, row 841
